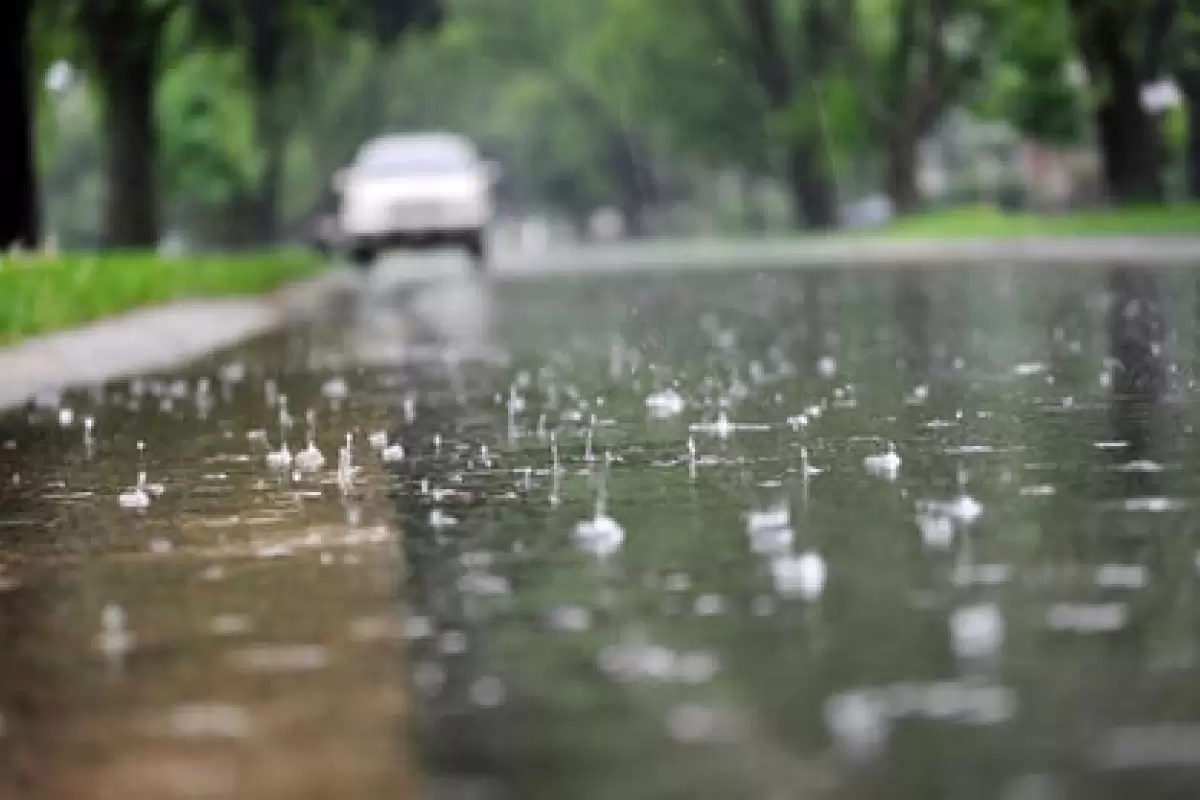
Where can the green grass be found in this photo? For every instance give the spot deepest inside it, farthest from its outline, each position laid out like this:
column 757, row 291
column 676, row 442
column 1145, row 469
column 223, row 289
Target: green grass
column 987, row 222
column 40, row 294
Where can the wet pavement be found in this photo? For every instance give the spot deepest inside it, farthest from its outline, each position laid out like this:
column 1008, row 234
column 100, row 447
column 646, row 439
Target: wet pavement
column 778, row 534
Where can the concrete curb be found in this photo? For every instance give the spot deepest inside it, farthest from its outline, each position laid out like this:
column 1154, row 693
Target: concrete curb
column 150, row 339
column 864, row 252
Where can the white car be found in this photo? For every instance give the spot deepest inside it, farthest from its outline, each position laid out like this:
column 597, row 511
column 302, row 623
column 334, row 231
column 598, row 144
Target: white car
column 415, row 190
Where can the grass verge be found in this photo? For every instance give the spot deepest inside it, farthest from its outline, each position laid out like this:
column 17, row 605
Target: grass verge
column 42, row 294
column 982, row 222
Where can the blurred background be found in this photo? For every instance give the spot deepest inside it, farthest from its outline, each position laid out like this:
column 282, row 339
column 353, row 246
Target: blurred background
column 200, row 561
column 218, row 123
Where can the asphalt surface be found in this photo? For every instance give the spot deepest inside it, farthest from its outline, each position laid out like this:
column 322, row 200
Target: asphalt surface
column 753, row 532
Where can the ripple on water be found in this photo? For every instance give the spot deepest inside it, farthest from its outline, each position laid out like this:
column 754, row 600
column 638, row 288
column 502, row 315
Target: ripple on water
column 700, row 723
column 208, row 721
column 378, row 628
column 231, row 624
column 1087, row 617
column 728, row 581
column 1163, row 745
column 1149, row 505
column 279, row 658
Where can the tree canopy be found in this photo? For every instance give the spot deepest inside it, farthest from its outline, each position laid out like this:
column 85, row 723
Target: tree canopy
column 224, row 119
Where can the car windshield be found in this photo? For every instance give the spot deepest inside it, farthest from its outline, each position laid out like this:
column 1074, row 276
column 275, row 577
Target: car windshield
column 393, row 158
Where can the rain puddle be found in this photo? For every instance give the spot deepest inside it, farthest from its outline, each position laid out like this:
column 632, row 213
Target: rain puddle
column 187, row 614
column 778, row 535
column 798, row 535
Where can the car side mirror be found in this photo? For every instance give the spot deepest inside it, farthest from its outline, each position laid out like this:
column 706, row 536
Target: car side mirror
column 339, row 180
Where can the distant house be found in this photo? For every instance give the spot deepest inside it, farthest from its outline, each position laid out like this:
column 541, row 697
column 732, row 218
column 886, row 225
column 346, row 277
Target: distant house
column 971, row 161
column 967, row 160
column 1056, row 178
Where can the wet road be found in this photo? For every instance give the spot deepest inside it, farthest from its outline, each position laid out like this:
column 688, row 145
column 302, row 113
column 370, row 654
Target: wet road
column 910, row 534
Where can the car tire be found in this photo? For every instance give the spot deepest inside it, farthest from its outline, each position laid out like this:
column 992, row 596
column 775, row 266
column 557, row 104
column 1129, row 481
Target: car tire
column 362, row 258
column 476, row 247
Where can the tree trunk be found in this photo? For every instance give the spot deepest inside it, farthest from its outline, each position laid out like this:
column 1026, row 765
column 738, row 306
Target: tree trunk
column 128, row 76
column 754, row 218
column 814, row 204
column 902, row 175
column 581, row 225
column 625, row 164
column 1131, row 150
column 266, row 50
column 271, row 141
column 1129, row 141
column 814, row 201
column 18, row 175
column 634, row 218
column 1192, row 95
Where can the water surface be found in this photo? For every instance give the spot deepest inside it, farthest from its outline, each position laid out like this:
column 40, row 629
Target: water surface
column 764, row 603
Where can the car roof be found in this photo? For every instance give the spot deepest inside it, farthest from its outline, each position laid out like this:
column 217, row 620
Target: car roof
column 437, row 141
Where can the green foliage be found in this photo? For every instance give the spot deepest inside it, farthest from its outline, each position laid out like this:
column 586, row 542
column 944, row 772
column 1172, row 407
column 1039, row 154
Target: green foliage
column 209, row 155
column 1029, row 72
column 557, row 89
column 664, row 65
column 844, row 118
column 237, row 82
column 525, row 81
column 69, row 154
column 1175, row 129
column 989, row 222
column 1184, row 42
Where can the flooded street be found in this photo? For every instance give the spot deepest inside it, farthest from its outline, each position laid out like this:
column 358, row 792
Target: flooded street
column 789, row 534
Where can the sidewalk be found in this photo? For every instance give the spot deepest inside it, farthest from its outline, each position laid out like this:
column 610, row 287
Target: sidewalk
column 149, row 339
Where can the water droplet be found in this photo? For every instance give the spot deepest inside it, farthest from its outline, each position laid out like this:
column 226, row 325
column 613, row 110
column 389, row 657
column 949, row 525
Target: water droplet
column 709, row 605
column 488, row 692
column 664, row 404
column 858, row 724
column 977, row 631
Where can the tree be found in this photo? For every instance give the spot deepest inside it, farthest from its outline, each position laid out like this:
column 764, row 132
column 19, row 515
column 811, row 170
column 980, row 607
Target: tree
column 1112, row 36
column 124, row 47
column 790, row 73
column 270, row 37
column 209, row 157
column 697, row 95
column 1029, row 76
column 279, row 41
column 910, row 61
column 120, row 42
column 18, row 186
column 549, row 44
column 1179, row 28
